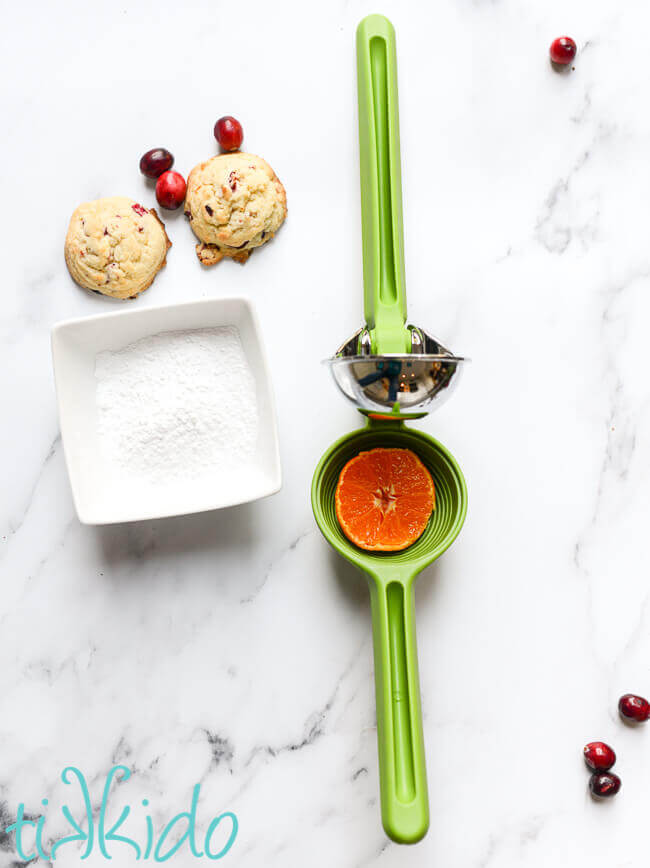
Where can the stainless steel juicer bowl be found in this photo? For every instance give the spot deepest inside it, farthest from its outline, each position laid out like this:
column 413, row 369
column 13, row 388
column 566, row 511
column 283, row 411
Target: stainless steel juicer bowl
column 403, row 386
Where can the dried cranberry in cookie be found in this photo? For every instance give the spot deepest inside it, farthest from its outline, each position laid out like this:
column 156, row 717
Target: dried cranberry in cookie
column 115, row 246
column 235, row 202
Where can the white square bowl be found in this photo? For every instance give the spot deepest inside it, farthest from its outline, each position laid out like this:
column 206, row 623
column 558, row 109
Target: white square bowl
column 103, row 496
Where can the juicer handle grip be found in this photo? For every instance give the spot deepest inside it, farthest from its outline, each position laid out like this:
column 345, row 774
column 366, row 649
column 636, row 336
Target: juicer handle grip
column 402, row 767
column 381, row 187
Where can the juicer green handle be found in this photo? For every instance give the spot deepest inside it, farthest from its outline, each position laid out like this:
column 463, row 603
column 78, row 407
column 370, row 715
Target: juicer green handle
column 381, row 187
column 402, row 767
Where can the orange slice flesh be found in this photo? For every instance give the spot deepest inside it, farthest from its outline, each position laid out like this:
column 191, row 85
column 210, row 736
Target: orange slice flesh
column 384, row 499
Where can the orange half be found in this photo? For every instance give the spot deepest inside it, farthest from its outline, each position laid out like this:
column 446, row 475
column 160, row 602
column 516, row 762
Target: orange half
column 384, row 499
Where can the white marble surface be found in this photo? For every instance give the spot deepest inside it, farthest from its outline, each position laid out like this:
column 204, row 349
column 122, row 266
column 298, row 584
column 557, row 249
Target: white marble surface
column 233, row 648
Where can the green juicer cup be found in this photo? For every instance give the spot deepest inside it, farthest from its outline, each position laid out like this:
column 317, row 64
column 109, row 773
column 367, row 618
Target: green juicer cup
column 388, row 341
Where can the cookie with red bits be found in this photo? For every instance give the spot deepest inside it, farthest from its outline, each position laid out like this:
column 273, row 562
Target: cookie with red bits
column 235, row 202
column 115, row 246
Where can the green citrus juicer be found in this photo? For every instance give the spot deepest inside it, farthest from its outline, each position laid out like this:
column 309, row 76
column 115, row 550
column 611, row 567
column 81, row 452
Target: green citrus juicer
column 391, row 372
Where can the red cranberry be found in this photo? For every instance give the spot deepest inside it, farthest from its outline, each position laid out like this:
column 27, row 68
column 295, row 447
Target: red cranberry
column 155, row 162
column 170, row 190
column 604, row 784
column 634, row 707
column 229, row 133
column 599, row 756
column 563, row 50
column 138, row 210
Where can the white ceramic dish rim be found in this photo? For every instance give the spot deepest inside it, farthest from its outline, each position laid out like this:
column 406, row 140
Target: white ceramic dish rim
column 263, row 379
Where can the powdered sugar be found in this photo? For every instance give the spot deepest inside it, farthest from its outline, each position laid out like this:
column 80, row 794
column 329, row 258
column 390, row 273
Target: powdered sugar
column 177, row 404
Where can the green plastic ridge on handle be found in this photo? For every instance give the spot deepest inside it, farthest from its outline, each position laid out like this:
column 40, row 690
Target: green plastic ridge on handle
column 381, row 187
column 402, row 765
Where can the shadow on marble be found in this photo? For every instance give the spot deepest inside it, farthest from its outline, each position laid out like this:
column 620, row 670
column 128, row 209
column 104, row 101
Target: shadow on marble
column 219, row 531
column 427, row 584
column 352, row 584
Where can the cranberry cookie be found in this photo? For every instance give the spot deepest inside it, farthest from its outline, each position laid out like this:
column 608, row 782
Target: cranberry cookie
column 234, row 202
column 115, row 246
